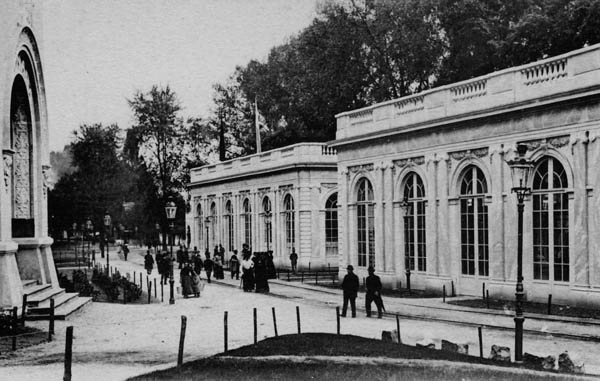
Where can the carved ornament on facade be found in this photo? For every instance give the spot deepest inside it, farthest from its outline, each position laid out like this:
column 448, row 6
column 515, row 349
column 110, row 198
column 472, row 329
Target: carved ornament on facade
column 46, row 177
column 285, row 188
column 469, row 154
column 544, row 144
column 329, row 185
column 361, row 168
column 7, row 156
column 263, row 191
column 411, row 161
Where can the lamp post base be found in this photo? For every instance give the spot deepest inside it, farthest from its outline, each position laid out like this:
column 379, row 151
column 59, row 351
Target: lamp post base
column 172, row 294
column 519, row 339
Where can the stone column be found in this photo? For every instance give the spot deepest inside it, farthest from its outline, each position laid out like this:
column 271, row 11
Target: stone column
column 388, row 215
column 379, row 190
column 431, row 215
column 444, row 250
column 496, row 214
column 578, row 209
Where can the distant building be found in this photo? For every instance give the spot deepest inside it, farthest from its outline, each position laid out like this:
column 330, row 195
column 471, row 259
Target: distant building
column 25, row 255
column 443, row 152
column 295, row 185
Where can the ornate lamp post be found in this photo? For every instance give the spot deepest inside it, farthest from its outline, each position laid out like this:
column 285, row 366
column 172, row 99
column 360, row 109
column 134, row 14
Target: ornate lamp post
column 207, row 221
column 408, row 207
column 107, row 223
column 171, row 210
column 268, row 217
column 520, row 168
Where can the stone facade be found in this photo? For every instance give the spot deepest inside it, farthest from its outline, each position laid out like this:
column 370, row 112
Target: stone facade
column 424, row 183
column 24, row 243
column 297, row 184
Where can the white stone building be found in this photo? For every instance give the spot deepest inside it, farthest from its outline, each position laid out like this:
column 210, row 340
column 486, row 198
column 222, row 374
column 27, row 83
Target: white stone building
column 296, row 185
column 444, row 151
column 25, row 253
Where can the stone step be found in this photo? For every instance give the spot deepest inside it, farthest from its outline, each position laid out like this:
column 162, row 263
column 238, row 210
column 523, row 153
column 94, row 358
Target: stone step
column 29, row 282
column 34, row 289
column 44, row 306
column 65, row 310
column 39, row 297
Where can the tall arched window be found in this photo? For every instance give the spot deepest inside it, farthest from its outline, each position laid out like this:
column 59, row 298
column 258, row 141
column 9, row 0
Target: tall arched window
column 213, row 224
column 414, row 223
column 290, row 222
column 365, row 213
column 266, row 204
column 229, row 223
column 247, row 221
column 331, row 225
column 474, row 223
column 550, row 221
column 200, row 218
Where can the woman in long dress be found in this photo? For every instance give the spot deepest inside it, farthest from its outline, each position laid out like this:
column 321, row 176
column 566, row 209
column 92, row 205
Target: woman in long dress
column 247, row 272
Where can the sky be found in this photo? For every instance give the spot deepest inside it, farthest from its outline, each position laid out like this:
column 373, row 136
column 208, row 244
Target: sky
column 97, row 54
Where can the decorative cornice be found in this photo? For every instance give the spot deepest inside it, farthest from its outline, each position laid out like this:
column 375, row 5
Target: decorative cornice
column 545, row 143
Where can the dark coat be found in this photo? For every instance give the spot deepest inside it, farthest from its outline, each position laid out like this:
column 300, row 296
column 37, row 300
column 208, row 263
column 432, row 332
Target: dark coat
column 350, row 285
column 373, row 284
column 208, row 265
column 148, row 262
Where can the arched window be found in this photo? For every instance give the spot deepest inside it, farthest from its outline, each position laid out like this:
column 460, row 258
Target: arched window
column 365, row 213
column 414, row 223
column 550, row 221
column 267, row 216
column 474, row 223
column 229, row 223
column 290, row 222
column 331, row 225
column 200, row 218
column 247, row 221
column 213, row 224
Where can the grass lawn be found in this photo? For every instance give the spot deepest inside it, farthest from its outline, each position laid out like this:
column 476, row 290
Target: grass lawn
column 531, row 307
column 354, row 358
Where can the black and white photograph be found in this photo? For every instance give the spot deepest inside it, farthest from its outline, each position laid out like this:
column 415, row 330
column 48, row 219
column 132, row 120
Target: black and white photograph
column 299, row 190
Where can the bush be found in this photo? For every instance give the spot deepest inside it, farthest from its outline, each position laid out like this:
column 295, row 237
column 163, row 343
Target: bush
column 82, row 285
column 112, row 286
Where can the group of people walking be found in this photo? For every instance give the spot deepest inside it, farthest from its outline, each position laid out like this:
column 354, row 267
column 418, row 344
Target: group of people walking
column 373, row 286
column 256, row 270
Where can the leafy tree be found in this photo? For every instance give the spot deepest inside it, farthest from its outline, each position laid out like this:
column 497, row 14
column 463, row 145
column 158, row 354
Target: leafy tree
column 98, row 184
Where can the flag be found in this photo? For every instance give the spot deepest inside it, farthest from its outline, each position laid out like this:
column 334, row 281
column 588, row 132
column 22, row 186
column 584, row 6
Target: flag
column 257, row 126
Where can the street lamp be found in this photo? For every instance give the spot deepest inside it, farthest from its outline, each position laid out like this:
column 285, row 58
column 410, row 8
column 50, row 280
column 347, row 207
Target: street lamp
column 207, row 221
column 268, row 216
column 171, row 210
column 408, row 210
column 107, row 222
column 520, row 167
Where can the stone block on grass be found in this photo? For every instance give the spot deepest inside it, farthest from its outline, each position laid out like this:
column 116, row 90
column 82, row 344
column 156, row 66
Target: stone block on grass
column 566, row 364
column 500, row 353
column 537, row 362
column 454, row 347
column 426, row 343
column 386, row 336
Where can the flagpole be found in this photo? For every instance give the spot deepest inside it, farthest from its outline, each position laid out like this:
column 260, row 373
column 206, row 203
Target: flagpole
column 257, row 126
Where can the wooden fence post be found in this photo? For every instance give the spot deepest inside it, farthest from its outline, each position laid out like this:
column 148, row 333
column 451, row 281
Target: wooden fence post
column 550, row 304
column 51, row 320
column 274, row 322
column 298, row 318
column 398, row 328
column 225, row 331
column 337, row 316
column 23, row 309
column 255, row 327
column 444, row 293
column 480, row 342
column 155, row 295
column 68, row 353
column 181, row 340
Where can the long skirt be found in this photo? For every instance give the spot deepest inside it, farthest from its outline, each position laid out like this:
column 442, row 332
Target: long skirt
column 248, row 280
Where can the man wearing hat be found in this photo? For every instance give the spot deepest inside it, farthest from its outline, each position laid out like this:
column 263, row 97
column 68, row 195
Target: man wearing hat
column 350, row 287
column 373, row 285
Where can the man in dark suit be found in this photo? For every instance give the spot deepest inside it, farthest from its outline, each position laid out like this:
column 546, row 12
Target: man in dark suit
column 350, row 286
column 373, row 284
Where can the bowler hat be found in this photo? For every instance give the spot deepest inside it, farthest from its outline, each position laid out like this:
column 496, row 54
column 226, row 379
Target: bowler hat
column 349, row 267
